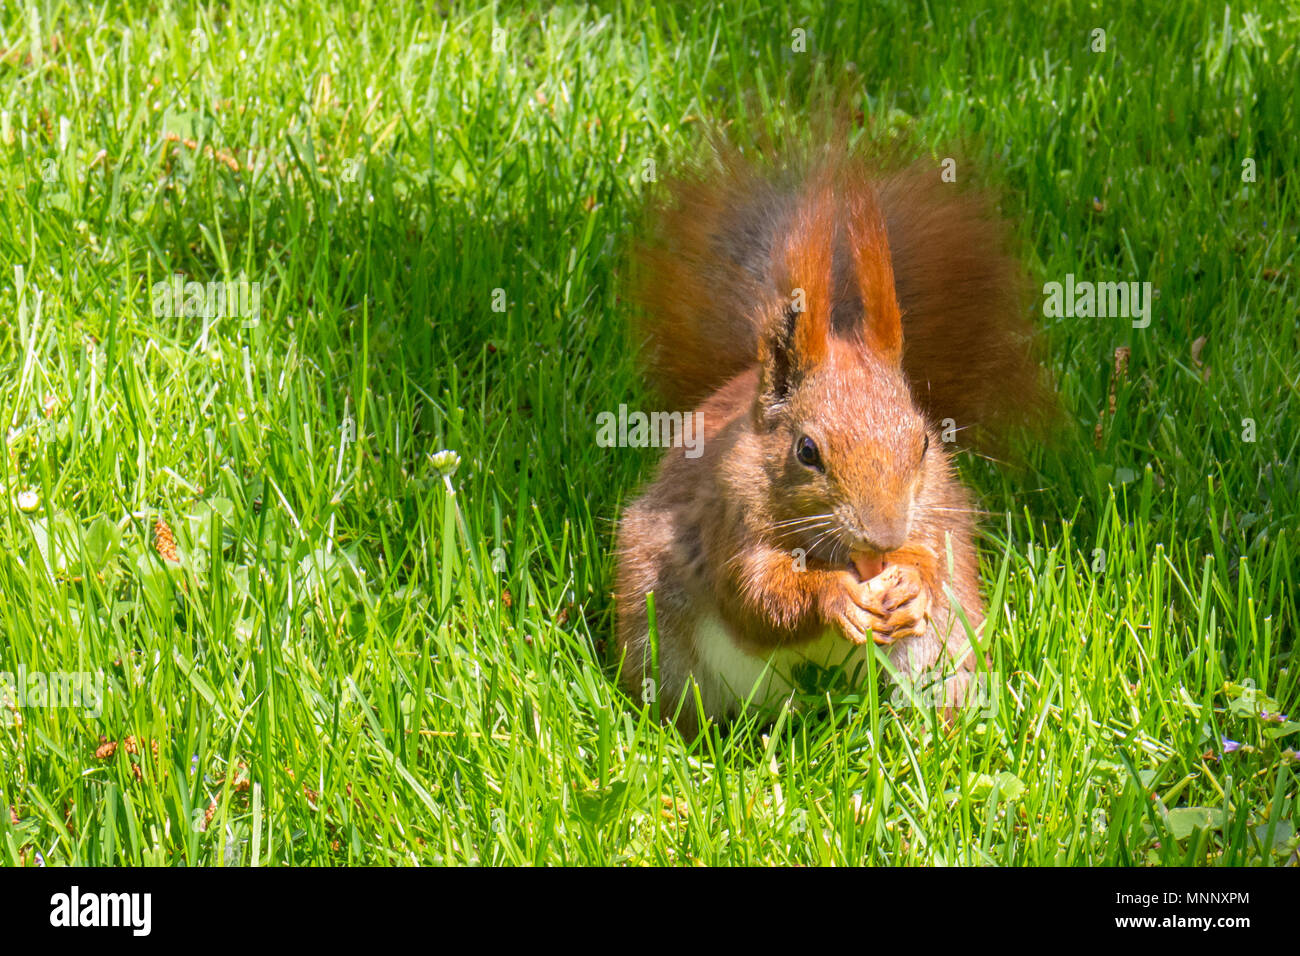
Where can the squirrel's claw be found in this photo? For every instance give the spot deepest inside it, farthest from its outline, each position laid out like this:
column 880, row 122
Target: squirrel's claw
column 856, row 624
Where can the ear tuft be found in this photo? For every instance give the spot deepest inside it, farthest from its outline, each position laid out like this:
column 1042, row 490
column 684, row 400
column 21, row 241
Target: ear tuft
column 796, row 340
column 808, row 272
column 882, row 325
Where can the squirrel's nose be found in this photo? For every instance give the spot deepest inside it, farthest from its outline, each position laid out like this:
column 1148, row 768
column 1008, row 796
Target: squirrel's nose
column 882, row 534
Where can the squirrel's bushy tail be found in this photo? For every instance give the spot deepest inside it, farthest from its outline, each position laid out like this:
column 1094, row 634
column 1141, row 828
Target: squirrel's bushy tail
column 706, row 268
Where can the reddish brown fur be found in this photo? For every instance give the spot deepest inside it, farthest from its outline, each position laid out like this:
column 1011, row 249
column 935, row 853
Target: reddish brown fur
column 969, row 351
column 874, row 270
column 808, row 251
column 713, row 537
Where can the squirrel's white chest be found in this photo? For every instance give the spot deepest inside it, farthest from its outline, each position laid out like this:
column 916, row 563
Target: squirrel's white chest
column 731, row 676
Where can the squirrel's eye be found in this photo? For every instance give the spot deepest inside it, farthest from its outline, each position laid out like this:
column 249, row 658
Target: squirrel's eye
column 805, row 449
column 925, row 447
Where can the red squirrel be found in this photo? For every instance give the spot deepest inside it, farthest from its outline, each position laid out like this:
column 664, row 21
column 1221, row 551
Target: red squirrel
column 831, row 325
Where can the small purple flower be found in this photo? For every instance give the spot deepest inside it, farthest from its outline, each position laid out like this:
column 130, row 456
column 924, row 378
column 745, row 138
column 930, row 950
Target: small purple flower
column 1230, row 746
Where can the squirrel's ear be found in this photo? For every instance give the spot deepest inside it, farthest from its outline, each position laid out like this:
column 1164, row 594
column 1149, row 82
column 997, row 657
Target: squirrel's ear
column 882, row 323
column 778, row 372
column 795, row 339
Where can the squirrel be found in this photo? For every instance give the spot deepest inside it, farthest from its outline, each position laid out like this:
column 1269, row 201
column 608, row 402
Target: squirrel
column 831, row 325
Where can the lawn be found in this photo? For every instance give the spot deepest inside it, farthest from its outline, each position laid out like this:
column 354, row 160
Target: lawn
column 320, row 572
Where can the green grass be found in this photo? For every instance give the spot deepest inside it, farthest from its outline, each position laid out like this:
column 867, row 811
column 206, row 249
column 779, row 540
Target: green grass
column 351, row 664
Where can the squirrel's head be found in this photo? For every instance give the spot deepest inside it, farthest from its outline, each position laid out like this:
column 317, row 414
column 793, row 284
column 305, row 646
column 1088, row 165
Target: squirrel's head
column 844, row 444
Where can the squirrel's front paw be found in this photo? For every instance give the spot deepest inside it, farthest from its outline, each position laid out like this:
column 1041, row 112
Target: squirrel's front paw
column 897, row 601
column 844, row 607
